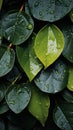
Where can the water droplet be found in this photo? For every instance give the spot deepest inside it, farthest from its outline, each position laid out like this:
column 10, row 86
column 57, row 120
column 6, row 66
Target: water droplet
column 36, row 3
column 12, row 102
column 29, row 27
column 64, row 71
column 40, row 13
column 40, row 103
column 52, row 12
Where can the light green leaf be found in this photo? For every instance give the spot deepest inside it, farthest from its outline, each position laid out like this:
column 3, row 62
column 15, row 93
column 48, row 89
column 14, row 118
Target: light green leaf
column 28, row 60
column 7, row 58
column 17, row 27
column 1, row 1
column 17, row 97
column 70, row 79
column 49, row 44
column 39, row 105
column 50, row 10
column 54, row 79
column 63, row 115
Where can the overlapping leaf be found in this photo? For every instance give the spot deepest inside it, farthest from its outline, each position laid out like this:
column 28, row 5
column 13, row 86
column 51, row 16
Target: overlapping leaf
column 54, row 78
column 50, row 10
column 18, row 96
column 67, row 30
column 49, row 44
column 63, row 115
column 68, row 96
column 71, row 15
column 2, row 90
column 17, row 27
column 1, row 1
column 39, row 105
column 28, row 60
column 7, row 59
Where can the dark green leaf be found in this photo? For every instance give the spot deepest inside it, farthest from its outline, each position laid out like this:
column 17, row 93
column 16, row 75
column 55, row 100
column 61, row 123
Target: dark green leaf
column 2, row 90
column 68, row 34
column 50, row 10
column 18, row 96
column 28, row 60
column 3, row 107
column 68, row 96
column 63, row 115
column 71, row 15
column 7, row 58
column 49, row 44
column 54, row 78
column 39, row 105
column 17, row 27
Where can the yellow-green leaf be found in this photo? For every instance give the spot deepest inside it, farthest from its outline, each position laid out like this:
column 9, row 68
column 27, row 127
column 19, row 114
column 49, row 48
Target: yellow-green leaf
column 49, row 44
column 39, row 105
column 70, row 79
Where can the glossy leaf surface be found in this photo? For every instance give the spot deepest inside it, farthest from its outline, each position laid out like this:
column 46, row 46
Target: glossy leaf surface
column 70, row 79
column 63, row 116
column 67, row 30
column 68, row 96
column 28, row 60
column 54, row 78
column 17, row 27
column 71, row 15
column 7, row 58
column 1, row 1
column 3, row 107
column 49, row 44
column 17, row 97
column 39, row 105
column 50, row 10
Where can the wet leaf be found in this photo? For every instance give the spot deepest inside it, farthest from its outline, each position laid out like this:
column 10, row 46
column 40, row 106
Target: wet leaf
column 2, row 90
column 68, row 96
column 17, row 27
column 50, row 10
column 28, row 60
column 70, row 79
column 7, row 58
column 3, row 107
column 53, row 79
column 63, row 116
column 67, row 30
column 39, row 105
column 49, row 44
column 17, row 97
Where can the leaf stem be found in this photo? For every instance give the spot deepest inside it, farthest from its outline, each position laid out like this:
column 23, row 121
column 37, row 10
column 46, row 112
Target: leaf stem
column 10, row 45
column 21, row 8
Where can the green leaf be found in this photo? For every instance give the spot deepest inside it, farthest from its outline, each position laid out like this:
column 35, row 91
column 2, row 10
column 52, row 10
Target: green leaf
column 50, row 10
column 67, row 30
column 63, row 116
column 39, row 105
column 7, row 58
column 1, row 1
column 49, row 44
column 2, row 90
column 17, row 97
column 3, row 107
column 71, row 15
column 17, row 27
column 70, row 79
column 29, row 61
column 68, row 96
column 54, row 78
